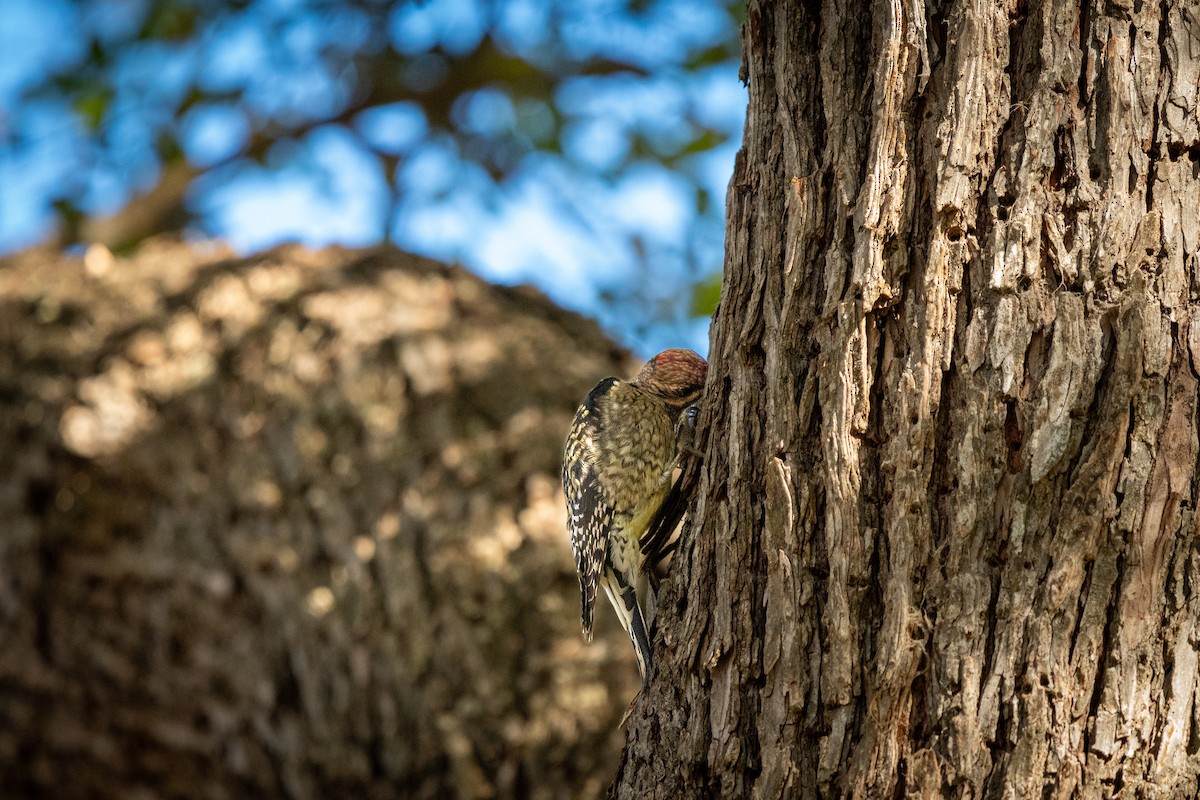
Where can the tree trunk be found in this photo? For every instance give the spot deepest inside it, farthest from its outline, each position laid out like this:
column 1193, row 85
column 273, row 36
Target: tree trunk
column 944, row 541
column 290, row 526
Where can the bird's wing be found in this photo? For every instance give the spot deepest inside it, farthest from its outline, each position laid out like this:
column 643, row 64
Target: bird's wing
column 589, row 513
column 659, row 540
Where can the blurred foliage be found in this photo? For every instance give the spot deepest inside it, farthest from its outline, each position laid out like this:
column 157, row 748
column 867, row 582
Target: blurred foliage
column 172, row 99
column 705, row 296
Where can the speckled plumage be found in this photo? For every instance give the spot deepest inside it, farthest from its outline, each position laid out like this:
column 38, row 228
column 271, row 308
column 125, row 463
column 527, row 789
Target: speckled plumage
column 617, row 467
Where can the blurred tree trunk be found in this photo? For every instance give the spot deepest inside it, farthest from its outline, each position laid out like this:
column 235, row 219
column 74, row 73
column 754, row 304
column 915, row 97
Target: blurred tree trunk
column 290, row 526
column 945, row 542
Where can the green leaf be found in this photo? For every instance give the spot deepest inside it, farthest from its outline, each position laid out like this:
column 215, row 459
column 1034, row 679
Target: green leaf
column 705, row 296
column 705, row 142
column 709, row 57
column 91, row 108
column 170, row 22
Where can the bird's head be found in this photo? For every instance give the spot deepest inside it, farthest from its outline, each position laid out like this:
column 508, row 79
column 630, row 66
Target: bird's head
column 676, row 375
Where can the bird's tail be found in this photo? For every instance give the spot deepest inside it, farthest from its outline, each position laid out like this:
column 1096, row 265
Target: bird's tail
column 624, row 599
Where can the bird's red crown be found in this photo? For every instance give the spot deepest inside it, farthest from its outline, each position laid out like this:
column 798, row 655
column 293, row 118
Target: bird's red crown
column 674, row 373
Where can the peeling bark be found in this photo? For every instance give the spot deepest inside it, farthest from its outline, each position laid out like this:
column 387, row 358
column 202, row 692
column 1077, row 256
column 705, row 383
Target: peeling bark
column 945, row 543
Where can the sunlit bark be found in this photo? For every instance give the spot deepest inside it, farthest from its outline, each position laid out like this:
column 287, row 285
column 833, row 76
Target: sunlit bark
column 944, row 541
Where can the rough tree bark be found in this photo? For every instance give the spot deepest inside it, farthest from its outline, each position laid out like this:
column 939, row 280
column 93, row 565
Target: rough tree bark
column 290, row 526
column 945, row 543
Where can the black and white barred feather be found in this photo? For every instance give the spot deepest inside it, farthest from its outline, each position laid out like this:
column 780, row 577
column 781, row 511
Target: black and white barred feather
column 617, row 467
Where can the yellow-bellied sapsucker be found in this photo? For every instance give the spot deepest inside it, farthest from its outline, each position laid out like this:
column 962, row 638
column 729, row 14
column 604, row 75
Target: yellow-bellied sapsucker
column 617, row 469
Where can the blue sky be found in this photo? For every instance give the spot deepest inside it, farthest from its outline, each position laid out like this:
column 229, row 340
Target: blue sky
column 563, row 222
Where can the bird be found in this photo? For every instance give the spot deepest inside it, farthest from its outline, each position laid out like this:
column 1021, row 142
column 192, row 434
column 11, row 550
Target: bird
column 618, row 461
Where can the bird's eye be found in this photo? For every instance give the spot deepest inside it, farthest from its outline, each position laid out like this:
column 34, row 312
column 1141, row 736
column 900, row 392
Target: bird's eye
column 690, row 414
